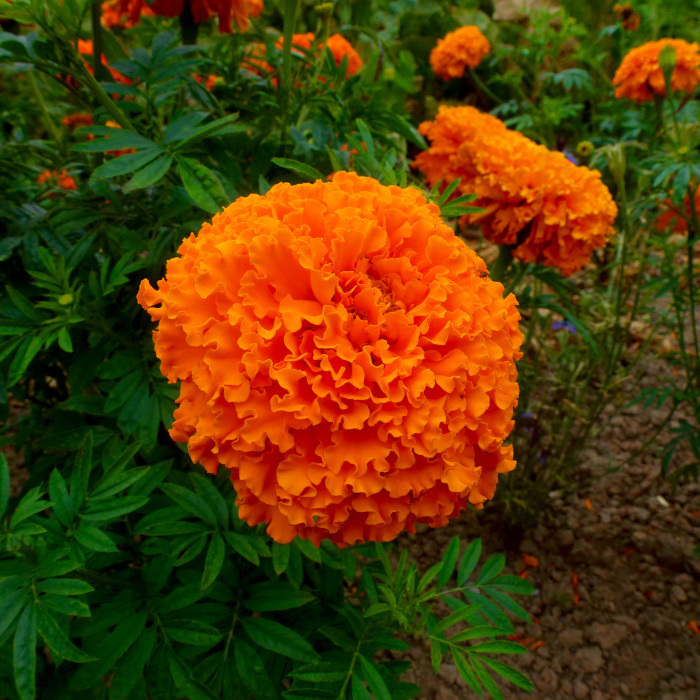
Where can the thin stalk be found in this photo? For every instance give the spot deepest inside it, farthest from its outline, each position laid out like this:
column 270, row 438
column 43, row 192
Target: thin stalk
column 96, row 16
column 46, row 117
column 505, row 257
column 482, row 86
column 290, row 17
column 188, row 27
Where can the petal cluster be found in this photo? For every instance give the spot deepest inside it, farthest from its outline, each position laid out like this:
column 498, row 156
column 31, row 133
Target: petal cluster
column 552, row 211
column 640, row 77
column 344, row 355
column 464, row 48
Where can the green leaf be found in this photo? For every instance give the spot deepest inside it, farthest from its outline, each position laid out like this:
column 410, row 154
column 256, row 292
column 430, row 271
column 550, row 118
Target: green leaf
column 190, row 501
column 57, row 640
column 125, row 164
column 428, row 577
column 130, row 667
column 435, row 655
column 149, row 175
column 275, row 637
column 470, row 558
column 182, row 675
column 241, row 545
column 25, row 354
column 455, row 617
column 11, row 605
column 4, row 483
column 96, row 540
column 375, row 682
column 280, row 557
column 493, row 566
column 308, row 549
column 115, row 140
column 508, row 603
column 252, row 671
column 302, row 169
column 477, row 633
column 449, row 561
column 64, row 586
column 491, row 688
column 30, row 505
column 193, row 632
column 214, row 561
column 512, row 584
column 509, row 673
column 65, row 604
column 201, row 184
column 24, row 653
column 101, row 511
column 465, row 670
column 359, row 692
column 268, row 596
column 80, row 479
column 208, row 492
column 321, row 672
column 498, row 647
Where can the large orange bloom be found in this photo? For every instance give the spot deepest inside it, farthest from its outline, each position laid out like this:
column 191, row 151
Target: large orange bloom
column 640, row 77
column 464, row 48
column 228, row 11
column 344, row 354
column 553, row 211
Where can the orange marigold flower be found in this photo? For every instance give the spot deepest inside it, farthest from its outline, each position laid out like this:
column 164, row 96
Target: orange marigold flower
column 551, row 210
column 209, row 82
column 228, row 11
column 640, row 77
column 672, row 219
column 76, row 120
column 55, row 178
column 630, row 19
column 344, row 355
column 464, row 48
column 124, row 13
column 341, row 47
column 85, row 49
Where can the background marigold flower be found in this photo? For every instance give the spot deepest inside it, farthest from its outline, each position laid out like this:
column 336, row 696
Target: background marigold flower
column 344, row 355
column 640, row 77
column 78, row 119
column 124, row 13
column 461, row 49
column 55, row 178
column 341, row 47
column 672, row 220
column 553, row 211
column 228, row 11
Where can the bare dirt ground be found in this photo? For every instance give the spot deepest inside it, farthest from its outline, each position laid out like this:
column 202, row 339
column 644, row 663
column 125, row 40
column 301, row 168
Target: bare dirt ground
column 617, row 608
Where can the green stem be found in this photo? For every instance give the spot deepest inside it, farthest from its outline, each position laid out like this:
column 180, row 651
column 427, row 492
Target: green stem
column 503, row 261
column 96, row 16
column 188, row 27
column 46, row 117
column 694, row 228
column 482, row 86
column 290, row 17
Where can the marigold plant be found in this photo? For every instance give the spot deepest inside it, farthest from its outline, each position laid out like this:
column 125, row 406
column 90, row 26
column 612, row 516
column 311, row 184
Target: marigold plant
column 344, row 355
column 552, row 211
column 674, row 219
column 464, row 48
column 56, row 178
column 640, row 77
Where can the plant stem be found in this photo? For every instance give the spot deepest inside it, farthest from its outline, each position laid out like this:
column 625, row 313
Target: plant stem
column 97, row 39
column 482, row 86
column 46, row 117
column 503, row 261
column 290, row 17
column 188, row 27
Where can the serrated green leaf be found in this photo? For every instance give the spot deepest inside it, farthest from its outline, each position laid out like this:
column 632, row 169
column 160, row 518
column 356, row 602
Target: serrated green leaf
column 65, row 604
column 201, row 184
column 275, row 637
column 193, row 632
column 280, row 557
column 64, row 586
column 241, row 545
column 4, row 484
column 465, row 670
column 190, row 501
column 149, row 175
column 449, row 561
column 252, row 671
column 500, row 646
column 370, row 674
column 455, row 617
column 321, row 672
column 470, row 558
column 213, row 561
column 24, row 653
column 509, row 673
column 435, row 655
column 125, row 164
column 269, row 596
column 493, row 566
column 300, row 168
column 130, row 667
column 96, row 540
column 513, row 584
column 57, row 640
column 359, row 692
column 477, row 633
column 482, row 674
column 428, row 577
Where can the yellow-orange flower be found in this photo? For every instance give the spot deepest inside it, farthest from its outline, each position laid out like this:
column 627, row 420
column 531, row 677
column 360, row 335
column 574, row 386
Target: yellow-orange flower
column 551, row 210
column 77, row 119
column 464, row 48
column 673, row 219
column 341, row 47
column 344, row 355
column 640, row 77
column 124, row 13
column 56, row 178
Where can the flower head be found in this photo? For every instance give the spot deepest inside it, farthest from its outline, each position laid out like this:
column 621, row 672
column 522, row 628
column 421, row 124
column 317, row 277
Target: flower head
column 674, row 219
column 76, row 120
column 629, row 18
column 344, row 355
column 640, row 77
column 228, row 11
column 57, row 179
column 551, row 210
column 461, row 49
column 340, row 47
column 124, row 13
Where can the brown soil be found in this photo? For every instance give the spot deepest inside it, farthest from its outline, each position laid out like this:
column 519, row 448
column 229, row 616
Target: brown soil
column 626, row 629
